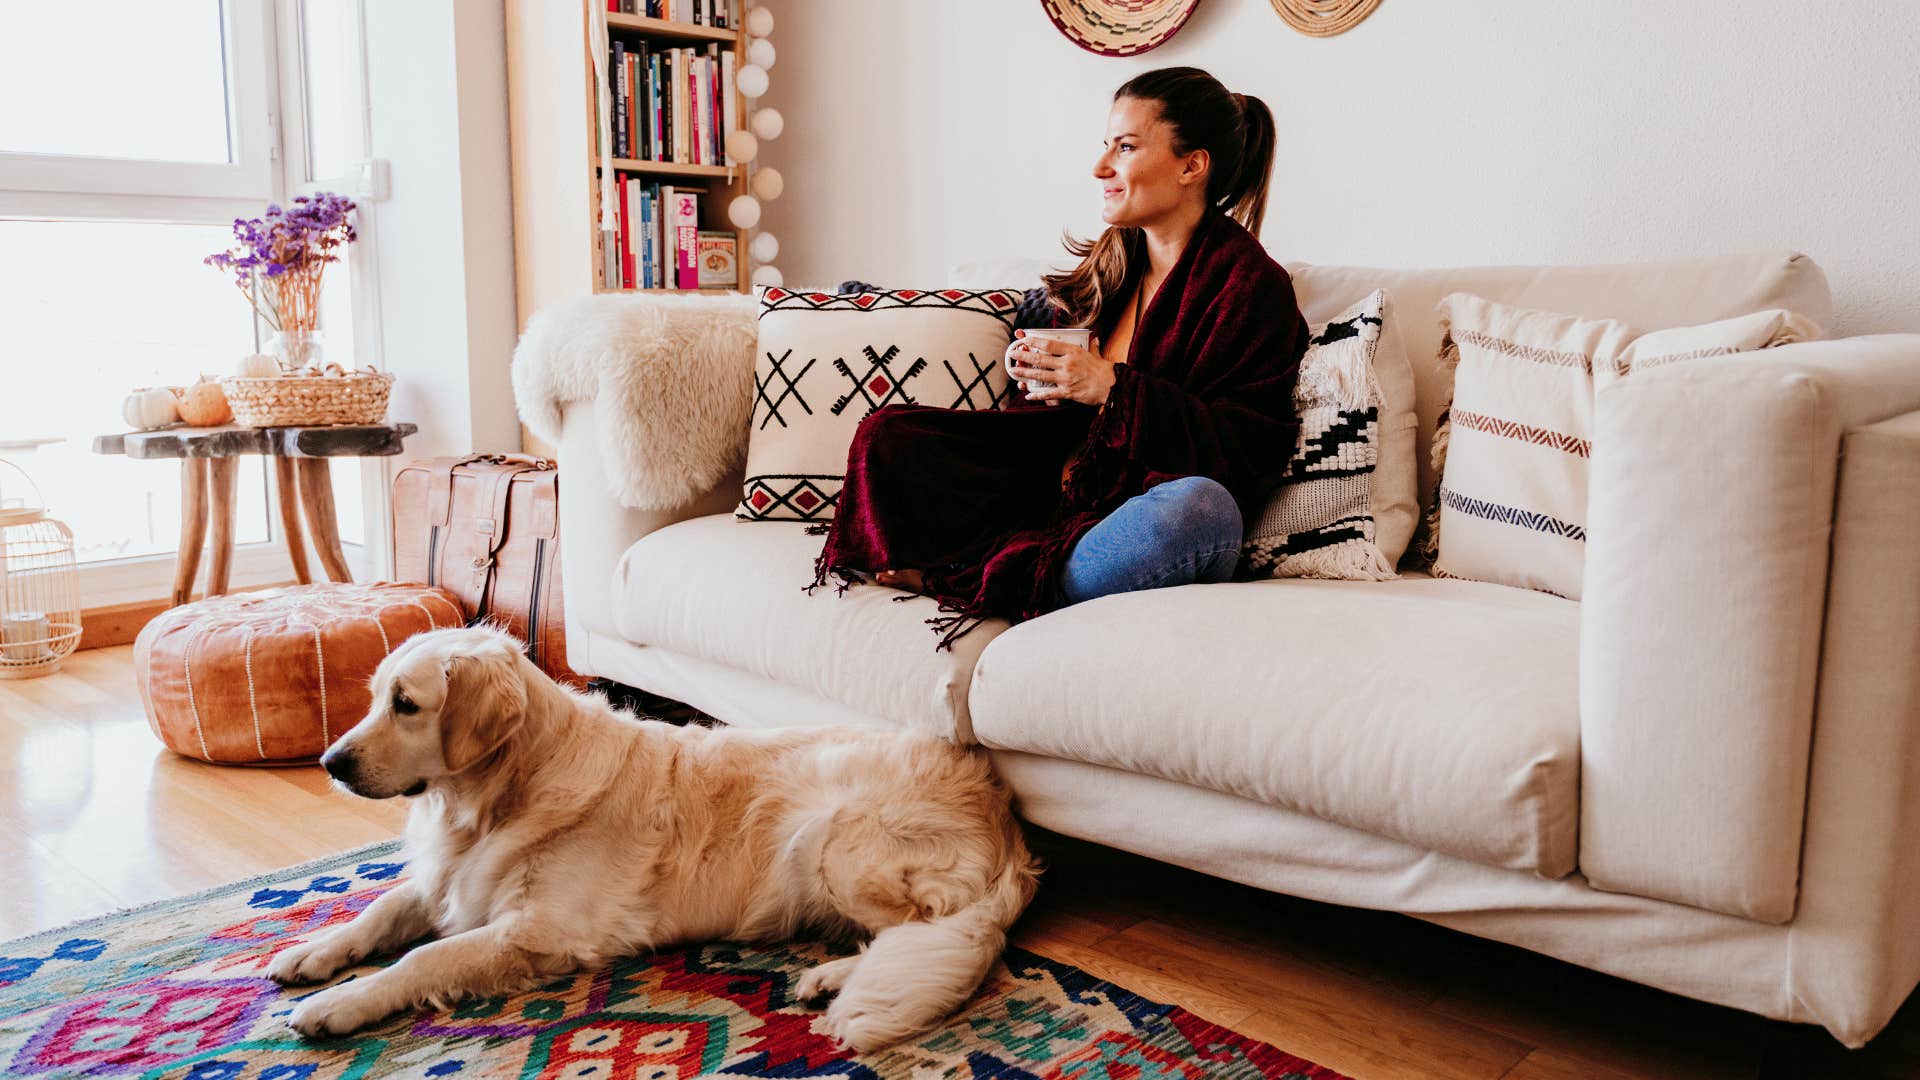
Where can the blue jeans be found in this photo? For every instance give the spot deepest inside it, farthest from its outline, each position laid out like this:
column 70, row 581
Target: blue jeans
column 1175, row 533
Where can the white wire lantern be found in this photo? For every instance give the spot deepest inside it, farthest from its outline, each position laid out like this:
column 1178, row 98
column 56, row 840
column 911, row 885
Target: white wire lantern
column 39, row 582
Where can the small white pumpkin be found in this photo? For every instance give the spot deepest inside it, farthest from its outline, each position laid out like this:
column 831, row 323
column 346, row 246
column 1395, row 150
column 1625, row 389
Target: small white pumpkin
column 148, row 408
column 258, row 366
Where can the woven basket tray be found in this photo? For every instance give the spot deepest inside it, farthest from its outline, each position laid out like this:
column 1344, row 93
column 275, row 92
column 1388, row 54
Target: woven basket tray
column 306, row 401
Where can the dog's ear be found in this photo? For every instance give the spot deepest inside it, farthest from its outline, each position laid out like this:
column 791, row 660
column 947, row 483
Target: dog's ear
column 486, row 702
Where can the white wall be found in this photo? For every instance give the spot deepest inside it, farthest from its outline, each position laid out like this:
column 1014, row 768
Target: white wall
column 436, row 75
column 1439, row 132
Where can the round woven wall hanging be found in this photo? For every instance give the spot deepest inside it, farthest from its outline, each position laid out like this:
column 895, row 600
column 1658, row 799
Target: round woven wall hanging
column 1324, row 18
column 1119, row 27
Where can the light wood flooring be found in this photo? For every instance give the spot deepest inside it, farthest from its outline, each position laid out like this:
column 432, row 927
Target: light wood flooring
column 94, row 816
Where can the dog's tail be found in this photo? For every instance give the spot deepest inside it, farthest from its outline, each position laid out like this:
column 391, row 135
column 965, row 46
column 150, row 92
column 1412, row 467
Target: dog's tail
column 915, row 974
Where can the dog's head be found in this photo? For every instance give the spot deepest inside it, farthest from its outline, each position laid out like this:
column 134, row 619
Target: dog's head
column 442, row 702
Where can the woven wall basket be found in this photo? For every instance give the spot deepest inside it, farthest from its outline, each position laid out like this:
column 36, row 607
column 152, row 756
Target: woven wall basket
column 309, row 401
column 1324, row 18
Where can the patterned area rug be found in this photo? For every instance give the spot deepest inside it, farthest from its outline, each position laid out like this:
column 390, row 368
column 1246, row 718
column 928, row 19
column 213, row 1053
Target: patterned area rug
column 177, row 989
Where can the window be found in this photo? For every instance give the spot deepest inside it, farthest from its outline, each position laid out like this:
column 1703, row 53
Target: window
column 55, row 56
column 153, row 126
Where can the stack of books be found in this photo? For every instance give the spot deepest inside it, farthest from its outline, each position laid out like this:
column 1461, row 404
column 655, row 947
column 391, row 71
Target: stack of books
column 719, row 14
column 674, row 105
column 661, row 243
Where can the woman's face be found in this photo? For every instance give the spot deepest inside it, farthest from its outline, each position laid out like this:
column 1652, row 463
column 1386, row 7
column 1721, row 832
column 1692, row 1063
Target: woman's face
column 1141, row 179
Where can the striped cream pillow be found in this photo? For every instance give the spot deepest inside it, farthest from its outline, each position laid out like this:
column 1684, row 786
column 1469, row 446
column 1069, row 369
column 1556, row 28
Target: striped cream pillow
column 1513, row 448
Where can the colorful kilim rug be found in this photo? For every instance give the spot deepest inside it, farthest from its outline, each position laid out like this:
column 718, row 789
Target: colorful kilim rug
column 177, row 989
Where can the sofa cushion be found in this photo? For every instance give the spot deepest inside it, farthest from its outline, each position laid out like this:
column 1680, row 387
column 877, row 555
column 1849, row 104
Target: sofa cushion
column 1442, row 713
column 732, row 592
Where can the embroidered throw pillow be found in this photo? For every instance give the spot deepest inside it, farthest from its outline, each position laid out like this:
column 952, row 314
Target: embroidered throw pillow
column 1320, row 522
column 825, row 361
column 1513, row 448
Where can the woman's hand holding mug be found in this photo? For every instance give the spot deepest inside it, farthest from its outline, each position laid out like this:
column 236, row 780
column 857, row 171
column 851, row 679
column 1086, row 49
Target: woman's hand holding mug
column 1060, row 365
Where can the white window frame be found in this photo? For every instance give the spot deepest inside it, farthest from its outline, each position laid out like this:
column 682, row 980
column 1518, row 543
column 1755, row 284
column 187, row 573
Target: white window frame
column 263, row 88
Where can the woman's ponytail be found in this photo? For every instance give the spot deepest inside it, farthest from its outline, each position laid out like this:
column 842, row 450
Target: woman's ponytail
column 1246, row 197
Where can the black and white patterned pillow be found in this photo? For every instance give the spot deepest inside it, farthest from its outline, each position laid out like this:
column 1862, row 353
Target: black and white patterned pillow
column 826, row 360
column 1319, row 522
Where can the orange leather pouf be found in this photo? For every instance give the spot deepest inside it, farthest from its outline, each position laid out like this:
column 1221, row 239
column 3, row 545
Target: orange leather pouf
column 274, row 677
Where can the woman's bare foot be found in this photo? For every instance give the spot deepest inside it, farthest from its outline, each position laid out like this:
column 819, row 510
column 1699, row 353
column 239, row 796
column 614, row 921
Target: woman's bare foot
column 910, row 580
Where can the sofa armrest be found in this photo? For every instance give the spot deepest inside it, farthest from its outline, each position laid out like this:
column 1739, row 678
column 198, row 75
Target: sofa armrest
column 1710, row 515
column 595, row 529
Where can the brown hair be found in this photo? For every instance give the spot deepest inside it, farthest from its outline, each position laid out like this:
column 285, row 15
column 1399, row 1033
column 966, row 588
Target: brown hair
column 1236, row 131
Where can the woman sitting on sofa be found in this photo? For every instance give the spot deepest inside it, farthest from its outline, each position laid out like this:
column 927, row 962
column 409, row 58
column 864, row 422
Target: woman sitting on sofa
column 1136, row 464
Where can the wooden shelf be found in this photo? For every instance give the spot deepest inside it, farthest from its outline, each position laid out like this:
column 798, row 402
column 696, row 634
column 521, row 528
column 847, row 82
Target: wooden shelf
column 715, row 290
column 669, row 28
column 670, row 168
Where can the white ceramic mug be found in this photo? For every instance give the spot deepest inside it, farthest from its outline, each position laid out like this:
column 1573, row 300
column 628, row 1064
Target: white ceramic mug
column 1081, row 337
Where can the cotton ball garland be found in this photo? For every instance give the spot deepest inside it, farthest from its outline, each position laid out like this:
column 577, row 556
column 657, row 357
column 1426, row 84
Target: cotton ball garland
column 744, row 211
column 742, row 147
column 768, row 184
column 751, row 80
column 760, row 22
column 765, row 247
column 768, row 275
column 768, row 123
column 760, row 53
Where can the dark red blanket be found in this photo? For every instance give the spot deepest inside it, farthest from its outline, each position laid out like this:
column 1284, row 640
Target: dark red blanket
column 974, row 499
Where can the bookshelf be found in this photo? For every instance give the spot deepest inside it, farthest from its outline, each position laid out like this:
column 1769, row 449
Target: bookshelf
column 718, row 184
column 555, row 155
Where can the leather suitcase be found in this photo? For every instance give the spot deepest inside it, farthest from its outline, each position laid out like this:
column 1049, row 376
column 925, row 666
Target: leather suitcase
column 486, row 527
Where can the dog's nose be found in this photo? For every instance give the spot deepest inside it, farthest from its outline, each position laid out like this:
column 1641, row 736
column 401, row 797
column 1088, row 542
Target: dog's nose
column 338, row 763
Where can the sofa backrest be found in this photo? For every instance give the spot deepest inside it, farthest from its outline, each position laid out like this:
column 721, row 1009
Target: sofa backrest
column 1646, row 295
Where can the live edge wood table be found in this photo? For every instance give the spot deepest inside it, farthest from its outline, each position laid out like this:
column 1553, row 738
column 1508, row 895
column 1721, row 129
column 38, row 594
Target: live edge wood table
column 210, row 468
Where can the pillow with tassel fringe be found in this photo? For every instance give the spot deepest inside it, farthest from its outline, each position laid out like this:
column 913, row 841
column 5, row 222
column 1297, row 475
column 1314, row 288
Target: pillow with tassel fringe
column 1321, row 521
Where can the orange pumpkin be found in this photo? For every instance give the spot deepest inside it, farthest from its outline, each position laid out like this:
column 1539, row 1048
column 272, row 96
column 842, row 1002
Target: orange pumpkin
column 204, row 404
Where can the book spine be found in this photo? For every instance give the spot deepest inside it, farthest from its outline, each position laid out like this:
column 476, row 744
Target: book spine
column 716, row 134
column 663, row 229
column 646, row 249
column 619, row 99
column 704, row 114
column 656, row 111
column 686, row 238
column 637, row 100
column 728, row 119
column 656, row 209
column 621, row 235
column 634, row 232
column 721, row 21
column 683, row 146
column 635, row 126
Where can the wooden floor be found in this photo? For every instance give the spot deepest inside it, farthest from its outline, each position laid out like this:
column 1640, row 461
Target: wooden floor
column 94, row 815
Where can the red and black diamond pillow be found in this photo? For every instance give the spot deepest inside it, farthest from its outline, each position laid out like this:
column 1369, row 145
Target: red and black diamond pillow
column 826, row 360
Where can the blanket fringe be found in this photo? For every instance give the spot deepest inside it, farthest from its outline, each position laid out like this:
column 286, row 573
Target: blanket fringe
column 952, row 627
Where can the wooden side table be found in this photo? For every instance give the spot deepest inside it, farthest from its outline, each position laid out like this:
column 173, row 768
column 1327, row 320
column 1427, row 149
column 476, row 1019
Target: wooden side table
column 210, row 468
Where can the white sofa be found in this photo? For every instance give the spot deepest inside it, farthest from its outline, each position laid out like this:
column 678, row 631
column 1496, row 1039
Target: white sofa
column 1705, row 776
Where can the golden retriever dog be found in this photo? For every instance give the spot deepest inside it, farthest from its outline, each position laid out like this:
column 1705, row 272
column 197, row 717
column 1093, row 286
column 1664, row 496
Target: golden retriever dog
column 549, row 833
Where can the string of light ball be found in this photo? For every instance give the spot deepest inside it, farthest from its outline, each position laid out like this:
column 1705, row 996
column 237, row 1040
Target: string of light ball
column 743, row 145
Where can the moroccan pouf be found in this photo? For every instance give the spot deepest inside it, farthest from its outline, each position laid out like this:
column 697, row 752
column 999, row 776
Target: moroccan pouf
column 273, row 677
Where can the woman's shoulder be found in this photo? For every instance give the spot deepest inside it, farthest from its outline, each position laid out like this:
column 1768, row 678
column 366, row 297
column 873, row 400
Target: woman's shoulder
column 1241, row 259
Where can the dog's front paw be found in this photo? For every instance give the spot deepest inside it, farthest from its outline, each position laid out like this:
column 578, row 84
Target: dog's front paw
column 864, row 1027
column 310, row 962
column 347, row 1007
column 824, row 981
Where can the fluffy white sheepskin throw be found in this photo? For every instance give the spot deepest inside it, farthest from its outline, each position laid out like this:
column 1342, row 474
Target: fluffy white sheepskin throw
column 673, row 376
